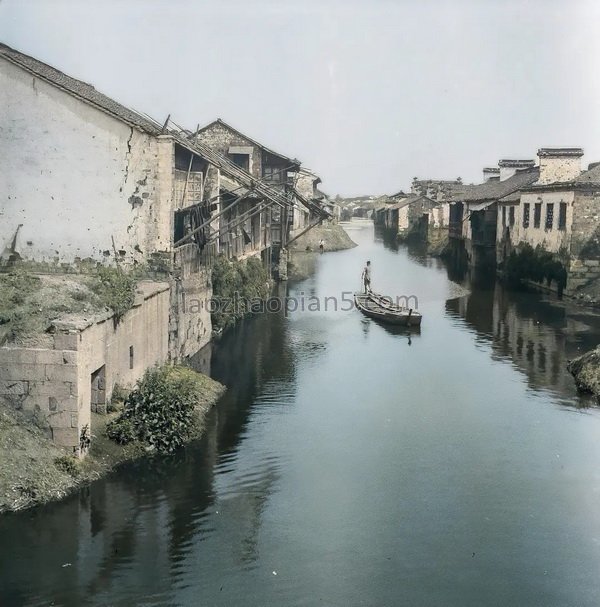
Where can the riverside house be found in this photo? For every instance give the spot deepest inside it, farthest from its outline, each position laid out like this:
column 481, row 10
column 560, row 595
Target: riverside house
column 87, row 181
column 560, row 213
column 474, row 209
column 279, row 172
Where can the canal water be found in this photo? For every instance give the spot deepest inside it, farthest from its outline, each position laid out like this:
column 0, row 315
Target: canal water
column 350, row 464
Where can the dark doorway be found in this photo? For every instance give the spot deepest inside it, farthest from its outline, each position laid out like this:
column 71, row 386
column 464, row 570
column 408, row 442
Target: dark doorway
column 98, row 400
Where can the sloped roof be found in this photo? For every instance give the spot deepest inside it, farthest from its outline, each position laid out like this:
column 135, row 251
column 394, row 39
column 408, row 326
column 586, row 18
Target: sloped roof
column 495, row 190
column 222, row 123
column 591, row 176
column 88, row 94
column 79, row 89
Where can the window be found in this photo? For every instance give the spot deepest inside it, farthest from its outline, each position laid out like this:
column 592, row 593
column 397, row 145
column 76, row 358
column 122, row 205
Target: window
column 503, row 217
column 131, row 357
column 511, row 216
column 241, row 160
column 526, row 215
column 549, row 215
column 537, row 215
column 271, row 174
column 562, row 216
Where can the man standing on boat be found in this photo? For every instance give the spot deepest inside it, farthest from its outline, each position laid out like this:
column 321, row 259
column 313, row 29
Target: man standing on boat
column 366, row 277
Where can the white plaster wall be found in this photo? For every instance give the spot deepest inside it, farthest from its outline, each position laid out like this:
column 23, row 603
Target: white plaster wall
column 403, row 218
column 74, row 176
column 442, row 215
column 553, row 170
column 552, row 240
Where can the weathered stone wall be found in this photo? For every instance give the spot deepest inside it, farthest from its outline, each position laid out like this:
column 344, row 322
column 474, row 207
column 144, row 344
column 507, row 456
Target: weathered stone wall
column 75, row 177
column 140, row 340
column 556, row 170
column 220, row 138
column 553, row 240
column 44, row 383
column 56, row 384
column 585, row 241
column 190, row 326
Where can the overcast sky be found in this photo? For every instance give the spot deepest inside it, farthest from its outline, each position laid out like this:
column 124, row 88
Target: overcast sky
column 367, row 94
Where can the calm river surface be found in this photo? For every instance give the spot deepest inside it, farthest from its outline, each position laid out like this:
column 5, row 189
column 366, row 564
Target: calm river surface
column 352, row 465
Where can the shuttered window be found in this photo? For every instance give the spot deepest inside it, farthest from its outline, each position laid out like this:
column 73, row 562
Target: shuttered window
column 537, row 215
column 526, row 215
column 549, row 215
column 562, row 216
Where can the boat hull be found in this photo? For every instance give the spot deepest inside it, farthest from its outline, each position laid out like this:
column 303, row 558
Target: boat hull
column 370, row 306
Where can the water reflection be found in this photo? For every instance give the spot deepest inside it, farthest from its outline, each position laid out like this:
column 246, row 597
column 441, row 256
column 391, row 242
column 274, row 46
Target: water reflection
column 538, row 335
column 142, row 523
column 357, row 468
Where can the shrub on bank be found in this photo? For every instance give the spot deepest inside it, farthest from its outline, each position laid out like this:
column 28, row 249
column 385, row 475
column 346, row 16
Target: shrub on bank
column 159, row 412
column 537, row 265
column 236, row 285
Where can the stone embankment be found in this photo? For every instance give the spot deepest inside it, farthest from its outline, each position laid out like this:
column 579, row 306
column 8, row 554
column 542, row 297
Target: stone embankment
column 35, row 470
column 586, row 371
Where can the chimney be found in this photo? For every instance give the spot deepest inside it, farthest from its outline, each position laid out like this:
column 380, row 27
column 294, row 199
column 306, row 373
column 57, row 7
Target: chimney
column 559, row 164
column 509, row 167
column 491, row 173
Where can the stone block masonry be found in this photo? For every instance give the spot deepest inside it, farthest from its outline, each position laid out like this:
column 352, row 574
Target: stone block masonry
column 60, row 386
column 42, row 383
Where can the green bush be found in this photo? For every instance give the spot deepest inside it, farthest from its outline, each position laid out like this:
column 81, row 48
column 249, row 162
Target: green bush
column 237, row 285
column 121, row 430
column 160, row 411
column 68, row 464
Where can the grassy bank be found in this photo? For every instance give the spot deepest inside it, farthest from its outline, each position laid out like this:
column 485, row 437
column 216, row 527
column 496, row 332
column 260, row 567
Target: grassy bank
column 35, row 471
column 30, row 302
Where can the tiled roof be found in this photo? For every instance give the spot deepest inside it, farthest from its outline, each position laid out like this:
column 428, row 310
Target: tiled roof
column 495, row 190
column 79, row 89
column 590, row 176
column 88, row 94
column 409, row 200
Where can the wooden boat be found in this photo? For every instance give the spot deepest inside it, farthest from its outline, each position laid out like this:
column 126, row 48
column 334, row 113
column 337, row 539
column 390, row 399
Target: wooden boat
column 383, row 309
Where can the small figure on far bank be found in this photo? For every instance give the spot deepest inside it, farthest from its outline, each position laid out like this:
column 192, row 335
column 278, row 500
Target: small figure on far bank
column 366, row 277
column 321, row 245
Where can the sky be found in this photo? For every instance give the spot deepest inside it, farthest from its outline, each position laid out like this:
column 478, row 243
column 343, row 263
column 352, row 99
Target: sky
column 368, row 94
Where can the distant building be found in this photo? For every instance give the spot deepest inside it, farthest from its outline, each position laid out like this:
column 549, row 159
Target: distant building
column 559, row 212
column 474, row 209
